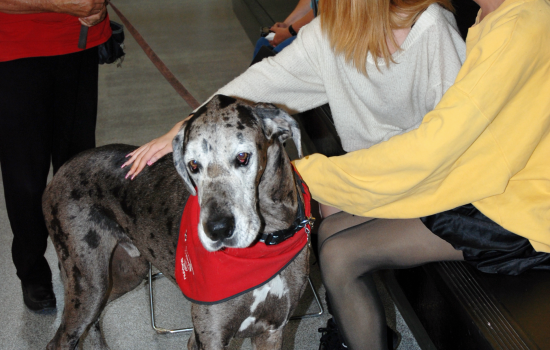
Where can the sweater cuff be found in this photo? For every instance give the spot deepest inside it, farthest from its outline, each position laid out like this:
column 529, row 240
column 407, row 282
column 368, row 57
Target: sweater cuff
column 309, row 168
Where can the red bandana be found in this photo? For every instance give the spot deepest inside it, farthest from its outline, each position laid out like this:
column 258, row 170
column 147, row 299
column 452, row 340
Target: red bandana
column 211, row 277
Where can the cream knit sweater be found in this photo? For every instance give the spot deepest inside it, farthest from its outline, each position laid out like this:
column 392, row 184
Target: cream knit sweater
column 366, row 110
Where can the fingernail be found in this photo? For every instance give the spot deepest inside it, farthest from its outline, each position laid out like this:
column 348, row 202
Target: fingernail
column 127, row 175
column 123, row 165
column 133, row 177
column 149, row 163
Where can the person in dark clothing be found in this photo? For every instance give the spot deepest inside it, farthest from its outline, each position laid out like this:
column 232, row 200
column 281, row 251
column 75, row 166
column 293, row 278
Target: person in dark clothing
column 48, row 108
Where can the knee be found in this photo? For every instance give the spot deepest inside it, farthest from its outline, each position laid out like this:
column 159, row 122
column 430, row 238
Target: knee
column 327, row 228
column 261, row 42
column 338, row 266
column 332, row 252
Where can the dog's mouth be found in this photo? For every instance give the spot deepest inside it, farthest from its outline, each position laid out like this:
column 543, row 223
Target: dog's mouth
column 217, row 245
column 239, row 237
column 213, row 246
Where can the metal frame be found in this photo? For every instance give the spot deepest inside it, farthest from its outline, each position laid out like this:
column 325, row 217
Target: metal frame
column 161, row 330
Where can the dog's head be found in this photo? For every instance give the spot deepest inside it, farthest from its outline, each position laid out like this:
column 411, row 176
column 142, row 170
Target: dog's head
column 222, row 151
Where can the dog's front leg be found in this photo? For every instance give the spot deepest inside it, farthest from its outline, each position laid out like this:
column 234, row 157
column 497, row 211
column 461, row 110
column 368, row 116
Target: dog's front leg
column 192, row 343
column 212, row 331
column 269, row 340
column 206, row 342
column 95, row 337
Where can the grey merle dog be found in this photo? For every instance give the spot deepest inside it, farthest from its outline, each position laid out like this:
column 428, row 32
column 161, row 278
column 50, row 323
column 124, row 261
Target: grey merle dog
column 106, row 229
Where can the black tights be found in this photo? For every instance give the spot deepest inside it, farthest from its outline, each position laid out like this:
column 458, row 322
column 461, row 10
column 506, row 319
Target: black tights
column 350, row 249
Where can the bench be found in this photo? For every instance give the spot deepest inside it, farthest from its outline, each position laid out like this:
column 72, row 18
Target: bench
column 450, row 305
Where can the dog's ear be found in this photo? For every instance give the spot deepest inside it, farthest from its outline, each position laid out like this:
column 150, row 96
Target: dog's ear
column 179, row 163
column 277, row 123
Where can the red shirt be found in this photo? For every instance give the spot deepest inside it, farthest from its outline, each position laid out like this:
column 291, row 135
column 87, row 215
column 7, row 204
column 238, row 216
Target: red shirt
column 45, row 34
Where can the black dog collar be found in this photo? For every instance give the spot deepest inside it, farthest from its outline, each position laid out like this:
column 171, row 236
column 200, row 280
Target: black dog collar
column 300, row 222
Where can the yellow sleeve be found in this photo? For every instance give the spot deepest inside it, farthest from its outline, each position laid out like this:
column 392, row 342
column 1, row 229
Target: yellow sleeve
column 410, row 175
column 482, row 132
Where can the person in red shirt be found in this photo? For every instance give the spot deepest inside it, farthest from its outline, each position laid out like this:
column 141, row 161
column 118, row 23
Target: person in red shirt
column 48, row 108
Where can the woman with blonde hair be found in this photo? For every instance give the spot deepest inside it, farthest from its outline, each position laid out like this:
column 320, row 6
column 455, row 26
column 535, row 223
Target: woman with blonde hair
column 381, row 65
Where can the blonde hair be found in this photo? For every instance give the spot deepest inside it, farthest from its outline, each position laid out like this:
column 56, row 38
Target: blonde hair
column 357, row 27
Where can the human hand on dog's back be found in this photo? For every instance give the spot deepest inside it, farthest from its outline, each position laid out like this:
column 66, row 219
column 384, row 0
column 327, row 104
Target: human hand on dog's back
column 152, row 151
column 78, row 8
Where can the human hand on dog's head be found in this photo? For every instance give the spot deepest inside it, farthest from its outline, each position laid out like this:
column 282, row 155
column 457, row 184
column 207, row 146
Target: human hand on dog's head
column 152, row 151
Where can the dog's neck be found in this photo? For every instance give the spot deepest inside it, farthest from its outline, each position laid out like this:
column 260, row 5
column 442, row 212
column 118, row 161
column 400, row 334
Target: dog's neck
column 277, row 191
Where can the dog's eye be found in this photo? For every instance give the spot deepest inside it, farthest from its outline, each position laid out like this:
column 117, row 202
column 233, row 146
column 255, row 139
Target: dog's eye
column 242, row 158
column 193, row 166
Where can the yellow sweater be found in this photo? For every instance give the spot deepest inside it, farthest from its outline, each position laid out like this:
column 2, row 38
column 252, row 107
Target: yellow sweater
column 487, row 142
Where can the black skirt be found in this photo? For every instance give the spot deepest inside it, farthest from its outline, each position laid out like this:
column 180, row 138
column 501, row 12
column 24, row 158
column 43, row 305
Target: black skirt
column 485, row 244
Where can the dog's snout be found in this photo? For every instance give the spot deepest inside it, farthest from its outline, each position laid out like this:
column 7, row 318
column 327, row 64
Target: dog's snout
column 220, row 227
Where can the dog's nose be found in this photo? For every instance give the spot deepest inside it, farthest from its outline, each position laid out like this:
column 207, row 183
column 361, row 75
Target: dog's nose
column 220, row 228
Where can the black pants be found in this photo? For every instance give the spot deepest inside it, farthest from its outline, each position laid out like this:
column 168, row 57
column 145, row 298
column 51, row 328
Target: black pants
column 48, row 111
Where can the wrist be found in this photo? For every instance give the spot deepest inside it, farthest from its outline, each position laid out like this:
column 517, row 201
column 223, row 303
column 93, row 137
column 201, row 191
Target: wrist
column 292, row 31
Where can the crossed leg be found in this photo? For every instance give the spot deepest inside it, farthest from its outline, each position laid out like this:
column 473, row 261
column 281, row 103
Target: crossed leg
column 351, row 248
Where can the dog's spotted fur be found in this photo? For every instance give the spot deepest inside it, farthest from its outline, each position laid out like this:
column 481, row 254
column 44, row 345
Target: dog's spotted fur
column 105, row 228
